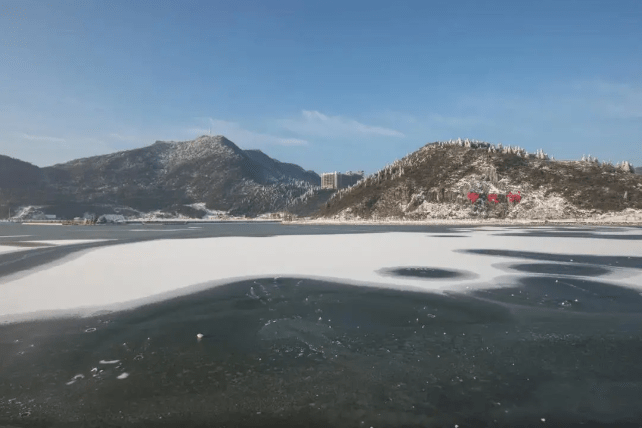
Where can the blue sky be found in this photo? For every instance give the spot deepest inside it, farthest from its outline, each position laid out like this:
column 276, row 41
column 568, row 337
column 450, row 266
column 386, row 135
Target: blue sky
column 329, row 85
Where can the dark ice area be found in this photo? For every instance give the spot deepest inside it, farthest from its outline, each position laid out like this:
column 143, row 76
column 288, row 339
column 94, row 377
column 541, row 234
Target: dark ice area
column 423, row 272
column 560, row 269
column 574, row 294
column 533, row 233
column 631, row 262
column 293, row 352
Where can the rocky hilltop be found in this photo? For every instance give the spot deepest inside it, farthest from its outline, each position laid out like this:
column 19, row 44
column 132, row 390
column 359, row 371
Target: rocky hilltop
column 466, row 179
column 210, row 170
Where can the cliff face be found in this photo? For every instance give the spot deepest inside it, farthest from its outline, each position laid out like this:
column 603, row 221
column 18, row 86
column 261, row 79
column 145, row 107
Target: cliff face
column 208, row 169
column 434, row 182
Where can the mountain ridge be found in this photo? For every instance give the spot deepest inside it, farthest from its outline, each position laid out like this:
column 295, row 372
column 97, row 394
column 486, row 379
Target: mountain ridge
column 212, row 174
column 209, row 169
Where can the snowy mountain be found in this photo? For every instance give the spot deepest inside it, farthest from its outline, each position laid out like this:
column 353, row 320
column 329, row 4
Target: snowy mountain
column 435, row 182
column 209, row 170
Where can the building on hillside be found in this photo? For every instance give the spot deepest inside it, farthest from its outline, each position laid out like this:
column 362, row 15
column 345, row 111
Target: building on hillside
column 111, row 218
column 338, row 180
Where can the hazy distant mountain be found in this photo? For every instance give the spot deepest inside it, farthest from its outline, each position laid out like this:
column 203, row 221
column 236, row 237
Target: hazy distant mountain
column 16, row 174
column 20, row 183
column 638, row 170
column 166, row 174
column 434, row 182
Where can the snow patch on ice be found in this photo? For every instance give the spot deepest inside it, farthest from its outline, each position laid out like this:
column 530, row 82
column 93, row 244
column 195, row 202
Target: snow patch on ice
column 127, row 276
column 6, row 247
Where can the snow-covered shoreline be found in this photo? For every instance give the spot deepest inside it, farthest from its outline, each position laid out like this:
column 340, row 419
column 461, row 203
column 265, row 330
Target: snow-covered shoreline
column 468, row 222
column 627, row 217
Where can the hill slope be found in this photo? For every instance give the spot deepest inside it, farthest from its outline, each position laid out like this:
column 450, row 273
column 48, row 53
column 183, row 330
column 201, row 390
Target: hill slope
column 21, row 183
column 434, row 182
column 274, row 170
column 208, row 169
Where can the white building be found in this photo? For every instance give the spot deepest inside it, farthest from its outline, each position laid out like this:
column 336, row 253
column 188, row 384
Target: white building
column 338, row 180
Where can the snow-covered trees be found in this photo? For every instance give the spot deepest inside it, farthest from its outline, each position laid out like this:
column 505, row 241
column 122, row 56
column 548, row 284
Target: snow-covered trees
column 589, row 159
column 513, row 150
column 625, row 166
column 539, row 154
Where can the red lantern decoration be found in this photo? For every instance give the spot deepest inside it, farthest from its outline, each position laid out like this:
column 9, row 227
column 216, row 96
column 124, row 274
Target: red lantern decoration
column 473, row 197
column 514, row 197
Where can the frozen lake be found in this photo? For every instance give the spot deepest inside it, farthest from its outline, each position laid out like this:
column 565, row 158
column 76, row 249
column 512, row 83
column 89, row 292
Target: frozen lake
column 320, row 325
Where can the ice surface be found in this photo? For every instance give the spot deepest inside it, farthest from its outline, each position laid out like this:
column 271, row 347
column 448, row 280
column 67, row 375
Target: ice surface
column 155, row 230
column 6, row 247
column 129, row 275
column 70, row 241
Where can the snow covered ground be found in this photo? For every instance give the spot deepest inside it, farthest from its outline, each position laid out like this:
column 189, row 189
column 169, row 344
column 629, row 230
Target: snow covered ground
column 11, row 249
column 208, row 212
column 627, row 217
column 129, row 275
